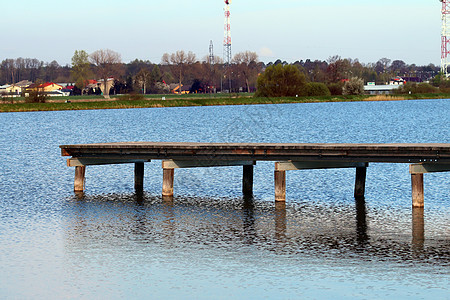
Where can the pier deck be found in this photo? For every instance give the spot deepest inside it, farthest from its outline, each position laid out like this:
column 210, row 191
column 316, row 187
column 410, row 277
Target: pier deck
column 423, row 158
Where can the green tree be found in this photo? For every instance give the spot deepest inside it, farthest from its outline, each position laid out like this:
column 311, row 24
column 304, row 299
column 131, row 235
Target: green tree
column 80, row 69
column 156, row 75
column 279, row 81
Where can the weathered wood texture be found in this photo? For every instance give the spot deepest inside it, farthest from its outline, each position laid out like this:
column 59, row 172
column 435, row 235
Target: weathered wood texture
column 168, row 176
column 280, row 185
column 417, row 190
column 405, row 153
column 80, row 172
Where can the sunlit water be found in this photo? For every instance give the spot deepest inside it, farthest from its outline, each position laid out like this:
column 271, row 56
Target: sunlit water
column 208, row 242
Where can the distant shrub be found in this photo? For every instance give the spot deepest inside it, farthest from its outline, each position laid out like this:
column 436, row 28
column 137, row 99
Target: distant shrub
column 414, row 88
column 132, row 97
column 355, row 86
column 444, row 86
column 316, row 89
column 335, row 88
column 161, row 88
column 36, row 96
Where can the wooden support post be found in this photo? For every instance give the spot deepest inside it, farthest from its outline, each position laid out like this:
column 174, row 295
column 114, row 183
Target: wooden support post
column 168, row 175
column 417, row 190
column 80, row 172
column 247, row 180
column 280, row 185
column 360, row 182
column 139, row 176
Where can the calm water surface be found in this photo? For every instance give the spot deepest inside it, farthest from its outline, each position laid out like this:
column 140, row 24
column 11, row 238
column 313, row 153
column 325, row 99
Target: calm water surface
column 208, row 242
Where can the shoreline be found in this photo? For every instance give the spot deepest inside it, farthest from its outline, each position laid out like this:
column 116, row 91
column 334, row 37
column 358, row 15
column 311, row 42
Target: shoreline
column 183, row 101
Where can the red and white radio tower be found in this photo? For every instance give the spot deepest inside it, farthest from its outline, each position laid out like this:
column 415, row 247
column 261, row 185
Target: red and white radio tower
column 445, row 44
column 227, row 37
column 227, row 43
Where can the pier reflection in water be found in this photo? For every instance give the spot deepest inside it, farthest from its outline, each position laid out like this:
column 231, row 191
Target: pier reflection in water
column 187, row 223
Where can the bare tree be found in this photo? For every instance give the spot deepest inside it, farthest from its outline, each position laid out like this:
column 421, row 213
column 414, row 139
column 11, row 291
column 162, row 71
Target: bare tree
column 246, row 64
column 108, row 65
column 178, row 62
column 143, row 78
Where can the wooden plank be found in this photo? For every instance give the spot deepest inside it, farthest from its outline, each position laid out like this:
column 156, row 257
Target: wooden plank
column 76, row 162
column 177, row 164
column 428, row 168
column 307, row 165
column 430, row 153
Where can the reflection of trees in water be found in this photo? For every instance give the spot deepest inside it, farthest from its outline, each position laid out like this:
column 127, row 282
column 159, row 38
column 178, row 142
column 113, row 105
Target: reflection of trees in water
column 230, row 224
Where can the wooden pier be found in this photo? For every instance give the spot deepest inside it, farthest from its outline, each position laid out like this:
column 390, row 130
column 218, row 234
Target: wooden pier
column 422, row 158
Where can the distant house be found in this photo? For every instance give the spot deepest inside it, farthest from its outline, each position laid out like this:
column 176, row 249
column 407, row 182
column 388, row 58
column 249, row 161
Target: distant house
column 57, row 93
column 397, row 81
column 45, row 87
column 175, row 89
column 381, row 89
column 68, row 90
column 23, row 84
column 16, row 88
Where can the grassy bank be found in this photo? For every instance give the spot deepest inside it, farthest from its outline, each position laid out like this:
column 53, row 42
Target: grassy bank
column 80, row 103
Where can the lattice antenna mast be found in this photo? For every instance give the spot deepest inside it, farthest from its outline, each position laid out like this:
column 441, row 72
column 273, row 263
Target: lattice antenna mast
column 227, row 42
column 227, row 37
column 211, row 55
column 445, row 38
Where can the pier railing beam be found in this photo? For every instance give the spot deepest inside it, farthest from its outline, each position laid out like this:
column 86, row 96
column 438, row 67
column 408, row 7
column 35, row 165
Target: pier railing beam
column 79, row 183
column 139, row 176
column 247, row 180
column 168, row 176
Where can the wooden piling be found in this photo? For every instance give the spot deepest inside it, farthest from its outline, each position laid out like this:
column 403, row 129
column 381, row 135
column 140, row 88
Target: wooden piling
column 280, row 185
column 247, row 180
column 80, row 172
column 360, row 182
column 139, row 176
column 417, row 190
column 168, row 176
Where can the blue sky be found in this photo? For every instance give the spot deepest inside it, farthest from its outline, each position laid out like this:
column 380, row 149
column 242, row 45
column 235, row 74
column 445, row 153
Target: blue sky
column 287, row 29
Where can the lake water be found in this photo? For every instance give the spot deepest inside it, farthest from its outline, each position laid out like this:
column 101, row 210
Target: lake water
column 208, row 242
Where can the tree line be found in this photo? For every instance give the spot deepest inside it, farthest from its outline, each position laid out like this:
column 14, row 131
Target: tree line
column 204, row 75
